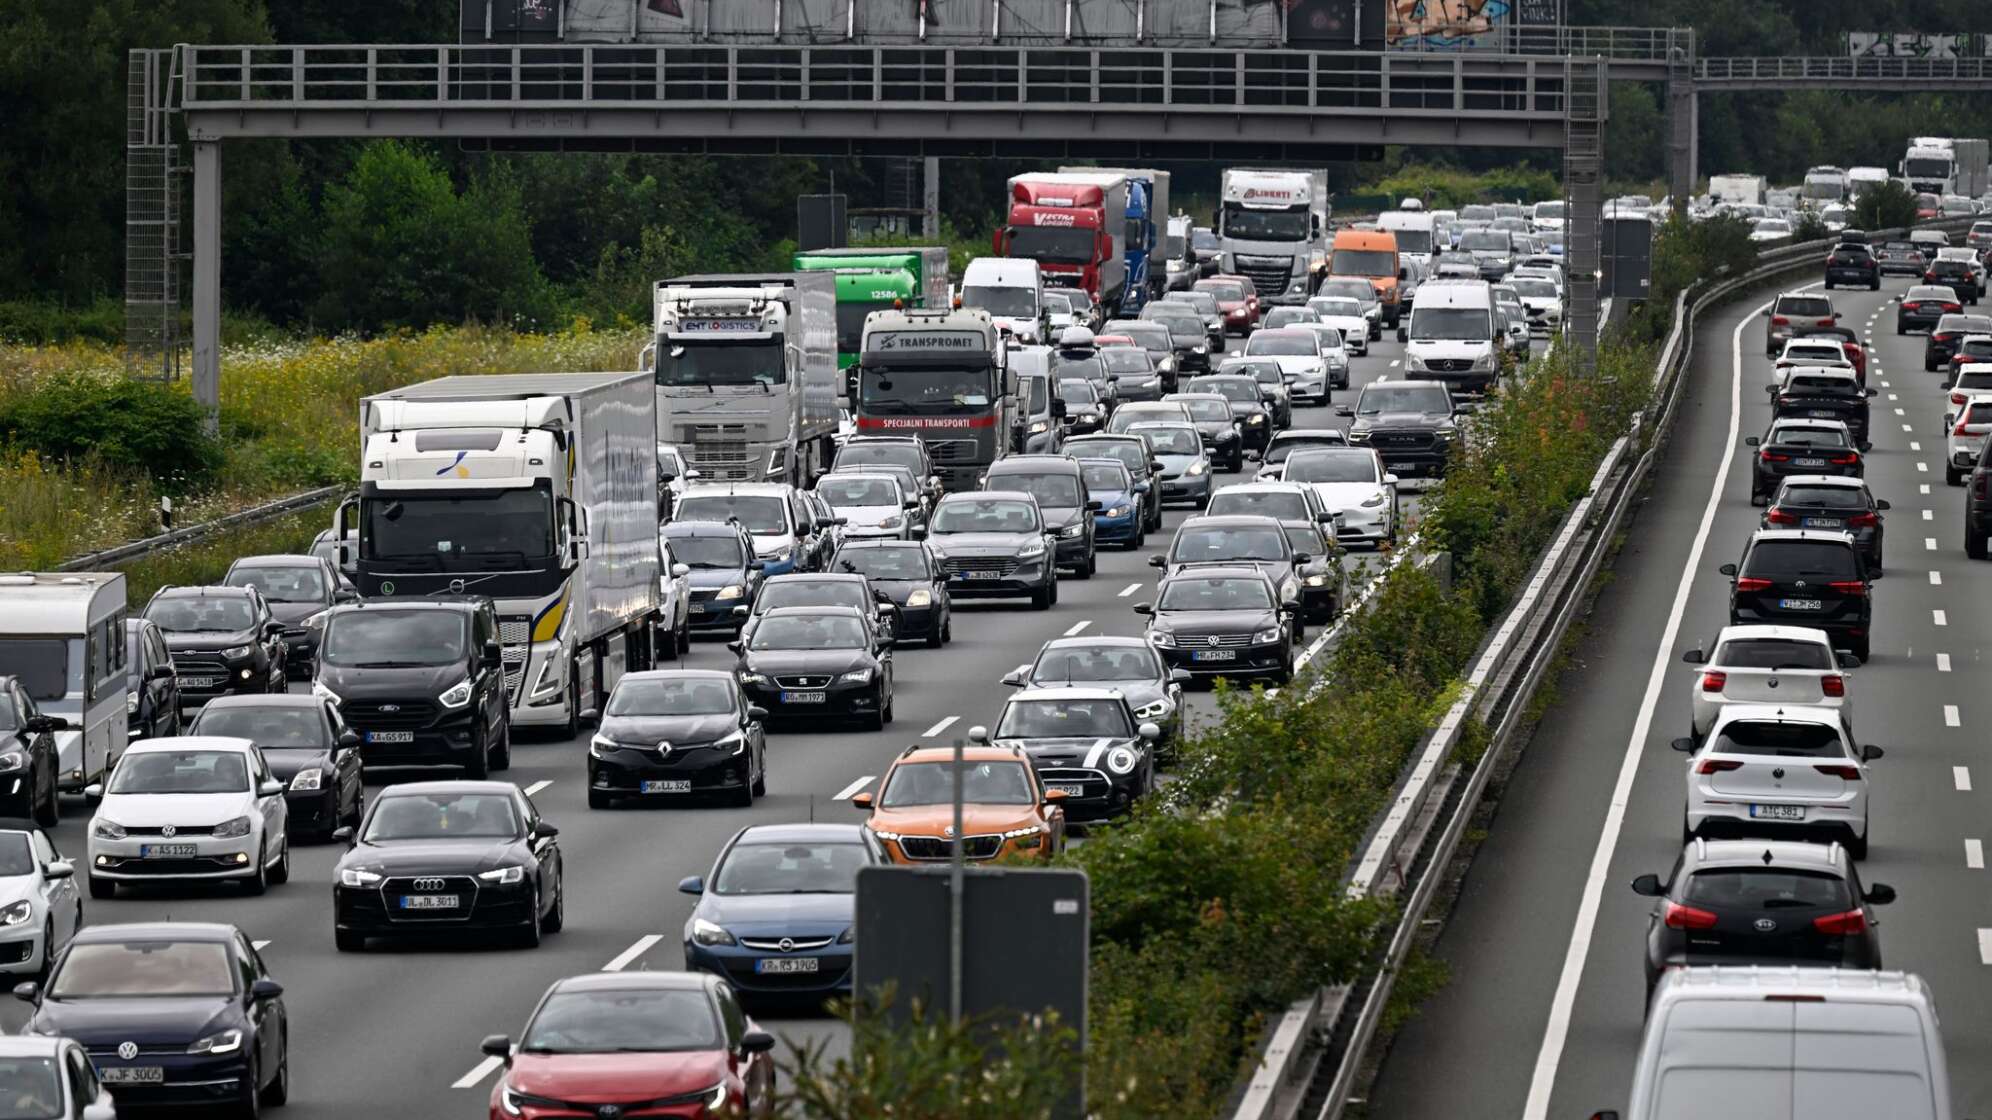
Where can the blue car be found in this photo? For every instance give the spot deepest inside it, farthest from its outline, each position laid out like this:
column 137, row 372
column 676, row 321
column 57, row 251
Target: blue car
column 777, row 916
column 1118, row 520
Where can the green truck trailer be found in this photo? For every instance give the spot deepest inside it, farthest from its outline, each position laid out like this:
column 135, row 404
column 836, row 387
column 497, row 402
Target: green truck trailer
column 877, row 279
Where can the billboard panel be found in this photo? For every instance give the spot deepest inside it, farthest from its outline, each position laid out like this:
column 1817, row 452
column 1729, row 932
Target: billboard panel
column 1897, row 44
column 1233, row 23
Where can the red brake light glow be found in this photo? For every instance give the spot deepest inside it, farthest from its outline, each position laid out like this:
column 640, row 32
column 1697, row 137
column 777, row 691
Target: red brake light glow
column 1776, row 516
column 1840, row 925
column 1864, row 520
column 1847, row 460
column 1717, row 766
column 1752, row 583
column 1856, row 588
column 1780, row 321
column 1773, row 457
column 1678, row 916
column 1833, row 684
column 1714, row 680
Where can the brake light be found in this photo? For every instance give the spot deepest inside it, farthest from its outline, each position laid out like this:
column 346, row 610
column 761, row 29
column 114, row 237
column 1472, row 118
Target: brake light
column 1978, row 486
column 1777, row 516
column 1833, row 684
column 1856, row 588
column 1911, row 306
column 1953, row 307
column 1847, row 460
column 1930, row 276
column 1752, row 583
column 1957, row 398
column 1678, row 916
column 1864, row 520
column 1714, row 680
column 1773, row 457
column 1780, row 321
column 1840, row 925
column 1961, row 426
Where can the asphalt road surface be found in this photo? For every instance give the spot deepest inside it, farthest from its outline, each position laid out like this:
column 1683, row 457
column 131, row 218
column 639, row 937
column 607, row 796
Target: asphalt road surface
column 1543, row 1012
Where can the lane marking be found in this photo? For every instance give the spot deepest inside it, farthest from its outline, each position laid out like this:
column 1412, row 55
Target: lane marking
column 1961, row 778
column 1923, row 487
column 1893, row 397
column 940, row 727
column 641, row 947
column 1899, row 412
column 1915, row 446
column 1936, row 579
column 477, row 1073
column 1974, row 854
column 1930, row 543
column 1985, row 946
column 1923, row 467
column 1943, row 663
column 1937, row 617
column 538, row 786
column 1073, row 630
column 851, row 790
column 1950, row 716
column 259, row 946
column 1907, row 428
column 1129, row 590
column 1884, row 384
column 1393, row 363
column 1929, row 515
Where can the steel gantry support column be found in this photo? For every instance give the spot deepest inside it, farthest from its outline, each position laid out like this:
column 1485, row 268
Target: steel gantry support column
column 1683, row 139
column 207, row 280
column 930, row 199
column 1585, row 82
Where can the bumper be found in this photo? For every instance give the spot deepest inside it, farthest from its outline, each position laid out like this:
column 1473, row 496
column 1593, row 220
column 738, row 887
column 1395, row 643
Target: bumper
column 1257, row 436
column 1073, row 551
column 1185, row 488
column 190, row 1081
column 1836, row 628
column 311, row 812
column 1851, row 276
column 898, row 532
column 445, row 741
column 710, row 614
column 300, row 650
column 838, row 699
column 198, row 686
column 1030, row 577
column 1268, row 659
column 378, row 911
column 1140, row 391
column 741, row 966
column 125, row 861
column 1902, row 268
column 21, row 950
column 1398, row 459
column 1768, row 475
column 1732, row 818
column 1099, row 795
column 1119, row 530
column 685, row 772
column 1363, row 526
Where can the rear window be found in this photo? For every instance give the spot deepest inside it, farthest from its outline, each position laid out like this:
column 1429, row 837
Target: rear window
column 1980, row 414
column 1816, row 306
column 1847, row 254
column 1969, row 324
column 1766, row 888
column 1824, row 497
column 1808, row 437
column 1825, row 386
column 1788, row 560
column 1772, row 653
column 1795, row 740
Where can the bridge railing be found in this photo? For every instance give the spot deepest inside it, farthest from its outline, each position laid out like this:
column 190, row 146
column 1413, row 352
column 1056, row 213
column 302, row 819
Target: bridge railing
column 1849, row 70
column 1621, row 44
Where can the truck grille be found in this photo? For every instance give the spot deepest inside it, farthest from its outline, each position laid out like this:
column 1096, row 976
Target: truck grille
column 953, row 450
column 515, row 635
column 1269, row 274
column 1401, row 440
column 720, row 451
column 1449, row 365
column 934, row 847
column 1001, row 565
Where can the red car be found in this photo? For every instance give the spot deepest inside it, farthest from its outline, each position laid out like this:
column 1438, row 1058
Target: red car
column 1237, row 300
column 637, row 1045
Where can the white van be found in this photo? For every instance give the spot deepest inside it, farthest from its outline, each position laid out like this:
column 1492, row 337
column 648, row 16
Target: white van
column 63, row 636
column 1785, row 1043
column 1452, row 335
column 1414, row 230
column 1011, row 290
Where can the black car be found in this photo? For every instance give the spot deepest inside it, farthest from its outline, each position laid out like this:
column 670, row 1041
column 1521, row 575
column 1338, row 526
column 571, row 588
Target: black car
column 1129, row 666
column 825, row 589
column 905, row 571
column 724, row 572
column 1823, row 393
column 1133, row 369
column 1221, row 621
column 1218, row 426
column 1923, row 305
column 181, row 1015
column 1412, row 424
column 1298, row 509
column 812, row 662
column 1085, row 406
column 308, row 747
column 1804, row 577
column 1830, row 502
column 296, row 587
column 674, row 734
column 223, row 640
column 995, row 543
column 1273, row 387
column 29, row 765
column 860, row 453
column 152, row 696
column 1853, row 264
column 1159, row 343
column 1060, row 489
column 1253, row 540
column 1956, row 275
column 1256, row 421
column 421, row 680
column 1188, row 337
column 1794, row 446
column 1134, row 452
column 436, row 859
column 1733, row 902
column 1978, row 505
column 1086, row 741
column 1944, row 337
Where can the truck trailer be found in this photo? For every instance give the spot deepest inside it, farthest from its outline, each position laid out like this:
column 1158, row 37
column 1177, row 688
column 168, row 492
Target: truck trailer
column 878, row 279
column 1147, row 213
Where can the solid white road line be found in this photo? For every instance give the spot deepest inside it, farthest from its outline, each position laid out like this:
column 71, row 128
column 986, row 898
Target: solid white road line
column 1939, row 618
column 1579, row 950
column 846, row 793
column 1943, row 663
column 477, row 1073
column 1073, row 630
column 1985, row 946
column 1961, row 778
column 538, row 786
column 641, row 947
column 1974, row 854
column 1950, row 716
column 940, row 727
column 1129, row 590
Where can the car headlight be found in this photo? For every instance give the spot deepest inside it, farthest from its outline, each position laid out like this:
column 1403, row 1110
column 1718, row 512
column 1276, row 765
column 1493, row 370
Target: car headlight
column 730, row 591
column 849, row 935
column 893, row 522
column 1448, row 431
column 104, row 829
column 307, row 780
column 1194, row 470
column 1162, row 638
column 319, row 690
column 1268, row 635
column 1199, row 349
column 780, row 555
column 17, row 913
column 714, row 1099
column 1486, row 361
column 1119, row 511
column 737, row 739
column 1358, row 435
column 1121, row 760
column 236, row 653
column 1316, row 580
column 456, row 696
column 1256, row 418
column 503, row 876
column 131, row 703
column 750, row 677
column 1289, row 591
column 1033, row 549
column 710, row 933
column 882, row 834
column 231, row 828
column 355, row 877
column 1020, row 833
column 1154, row 710
column 1414, row 364
column 1374, row 500
column 510, row 1101
column 12, row 760
column 920, row 597
column 1074, row 530
column 856, row 676
column 227, row 1042
column 1039, row 427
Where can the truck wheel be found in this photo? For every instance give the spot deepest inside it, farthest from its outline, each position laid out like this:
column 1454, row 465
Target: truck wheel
column 573, row 725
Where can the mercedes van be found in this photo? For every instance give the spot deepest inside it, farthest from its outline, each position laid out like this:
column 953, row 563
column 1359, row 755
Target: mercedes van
column 1453, row 335
column 1011, row 290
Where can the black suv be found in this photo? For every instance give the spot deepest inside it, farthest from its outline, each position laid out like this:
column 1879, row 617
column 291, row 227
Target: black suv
column 223, row 641
column 1412, row 424
column 1956, row 275
column 1944, row 337
column 1804, row 577
column 724, row 573
column 1853, row 264
column 1823, row 393
column 421, row 680
column 296, row 587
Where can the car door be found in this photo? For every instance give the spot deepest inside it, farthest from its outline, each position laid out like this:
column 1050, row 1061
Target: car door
column 345, row 758
column 267, row 1015
column 546, row 850
column 756, row 1070
column 64, row 908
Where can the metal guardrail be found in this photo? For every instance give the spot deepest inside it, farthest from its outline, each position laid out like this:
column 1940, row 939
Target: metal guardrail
column 269, row 511
column 1619, row 44
column 1931, row 73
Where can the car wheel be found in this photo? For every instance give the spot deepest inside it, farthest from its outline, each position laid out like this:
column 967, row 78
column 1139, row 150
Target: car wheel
column 501, row 759
column 48, row 950
column 478, row 766
column 1874, row 285
column 1899, row 328
column 1041, row 598
column 885, row 712
column 528, row 936
column 1054, row 588
column 1687, row 833
column 573, row 725
column 1857, row 846
column 556, row 920
column 1091, row 565
column 1953, row 477
column 876, row 721
column 259, row 882
column 48, row 809
column 1863, row 648
column 682, row 639
column 1828, row 285
column 599, row 799
column 348, row 941
column 761, row 779
column 250, row 1105
column 278, row 1090
column 936, row 635
column 1974, row 542
column 103, row 888
column 280, row 873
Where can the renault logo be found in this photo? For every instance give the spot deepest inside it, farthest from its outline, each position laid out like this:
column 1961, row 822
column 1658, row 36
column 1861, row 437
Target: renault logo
column 429, row 884
column 168, row 831
column 786, row 945
column 1765, row 925
column 390, row 707
column 127, row 1050
column 663, row 746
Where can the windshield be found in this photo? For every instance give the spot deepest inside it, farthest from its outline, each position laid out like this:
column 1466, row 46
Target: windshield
column 792, row 868
column 1182, row 327
column 1173, row 441
column 1058, row 490
column 200, row 614
column 1215, row 595
column 885, row 562
column 1264, row 225
column 289, row 727
column 1203, row 238
column 634, row 1020
column 118, row 970
column 48, row 668
column 1060, row 302
column 899, row 390
column 1486, row 240
column 703, row 362
column 1784, row 561
column 1082, row 366
column 811, row 591
column 1282, row 343
column 857, row 490
column 1450, row 324
column 1358, row 290
column 169, row 771
column 1150, row 335
column 1096, row 663
column 1365, row 262
column 812, row 631
column 759, row 513
column 932, row 783
column 487, row 529
column 1064, row 719
column 1208, row 545
column 1286, row 317
column 377, row 639
column 707, row 552
column 1126, row 359
column 1332, row 465
column 1203, row 302
column 1411, row 241
column 1339, row 307
column 1207, row 411
column 1540, row 288
column 1926, row 168
column 1772, row 653
column 290, row 584
column 1287, row 505
column 1078, row 391
column 443, row 816
column 1279, row 451
column 30, row 1089
column 1237, row 392
column 1827, row 497
column 977, row 515
column 671, row 696
column 1006, row 301
column 10, row 720
column 1061, row 244
column 1104, row 478
column 1402, row 398
column 1549, row 210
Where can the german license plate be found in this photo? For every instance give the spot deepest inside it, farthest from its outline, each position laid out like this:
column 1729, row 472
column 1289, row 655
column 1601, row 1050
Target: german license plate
column 1823, row 523
column 669, row 785
column 1778, row 812
column 390, row 736
column 165, row 851
column 429, row 901
column 802, row 697
column 132, row 1075
column 1809, row 462
column 984, row 575
column 1214, row 655
column 1069, row 789
column 199, row 682
column 768, row 966
column 698, row 608
column 1821, row 413
column 1798, row 604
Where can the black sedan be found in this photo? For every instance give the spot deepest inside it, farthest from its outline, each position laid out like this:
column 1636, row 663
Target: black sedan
column 1830, row 502
column 1761, row 902
column 442, row 859
column 1950, row 330
column 823, row 589
column 1923, row 305
column 1221, row 429
column 29, row 765
column 1823, row 393
column 308, row 748
column 1085, row 741
column 1792, row 446
column 1221, row 622
column 724, row 573
column 183, row 1015
column 1255, row 417
column 995, row 543
column 906, row 573
column 812, row 662
column 672, row 734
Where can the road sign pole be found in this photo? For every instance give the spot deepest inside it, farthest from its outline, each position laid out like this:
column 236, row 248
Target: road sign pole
column 955, row 931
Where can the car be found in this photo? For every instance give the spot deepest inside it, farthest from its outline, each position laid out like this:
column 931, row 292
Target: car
column 908, row 453
column 41, row 907
column 722, row 572
column 1083, row 741
column 826, row 589
column 1964, row 441
column 1239, row 540
column 1959, row 276
column 1971, row 258
column 1060, row 489
column 1733, row 902
column 1900, row 258
column 189, row 809
column 1794, row 446
column 152, row 692
column 421, row 680
column 1354, row 487
column 1278, row 318
column 438, row 860
column 1206, row 306
column 1804, row 577
column 30, row 765
column 1155, row 339
column 1147, row 412
column 1272, row 385
column 1972, row 379
column 1972, row 349
column 1811, row 350
column 223, row 640
column 1411, row 424
column 1508, row 306
column 53, row 1078
column 675, row 734
column 674, row 601
column 1085, row 406
column 1823, row 393
column 295, row 587
column 817, row 662
column 769, row 511
column 1853, row 264
column 1795, row 309
column 307, row 746
column 1186, row 473
column 1120, row 516
column 995, row 543
column 325, row 546
column 906, row 573
column 1852, row 352
column 673, row 475
column 1189, row 337
column 1218, row 426
column 216, row 1031
column 1129, row 666
column 1778, row 770
column 1285, row 443
column 1929, row 241
column 1923, row 305
column 1040, row 414
column 1236, row 298
column 1769, row 665
column 1978, row 505
column 1133, row 452
column 1949, row 331
column 827, row 528
column 1299, row 510
column 1249, row 406
column 1979, row 236
column 1298, row 350
column 1770, row 229
column 1542, row 303
column 1136, row 377
column 1006, row 810
column 1807, row 501
column 624, row 1041
column 1345, row 315
column 1066, row 308
column 1222, row 621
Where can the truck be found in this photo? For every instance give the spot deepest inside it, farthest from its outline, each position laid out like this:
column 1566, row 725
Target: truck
column 746, row 372
column 1824, row 186
column 1414, row 230
column 1075, row 227
column 875, row 279
column 1861, row 178
column 1272, row 227
column 1736, row 190
column 1147, row 231
column 535, row 490
column 1969, row 178
column 1930, row 164
column 942, row 375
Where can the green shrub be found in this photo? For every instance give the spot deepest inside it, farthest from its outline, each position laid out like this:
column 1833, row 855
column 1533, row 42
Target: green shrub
column 44, row 322
column 136, row 426
column 1885, row 205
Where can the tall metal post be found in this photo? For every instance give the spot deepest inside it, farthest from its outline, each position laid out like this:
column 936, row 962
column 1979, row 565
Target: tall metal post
column 930, row 199
column 207, row 281
column 1683, row 138
column 1584, row 86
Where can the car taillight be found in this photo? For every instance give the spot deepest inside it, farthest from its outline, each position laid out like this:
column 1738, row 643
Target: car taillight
column 1864, row 520
column 1833, row 684
column 1678, row 916
column 1840, row 770
column 1911, row 306
column 1840, row 925
column 1773, row 457
column 1847, row 460
column 1780, row 321
column 1930, row 276
column 1717, row 766
column 1854, row 587
column 1714, row 680
column 1953, row 307
column 1961, row 426
column 1957, row 398
column 1978, row 486
column 1752, row 583
column 1776, row 516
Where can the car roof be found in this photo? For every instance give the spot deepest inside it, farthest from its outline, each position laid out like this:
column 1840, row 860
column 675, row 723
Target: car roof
column 1067, row 692
column 855, row 543
column 813, row 577
column 1831, row 536
column 799, row 832
column 1095, row 640
column 747, row 489
column 702, row 528
column 278, row 559
column 32, row 1045
column 973, row 752
column 1809, row 422
column 1840, row 480
column 193, row 591
column 1704, row 853
column 155, row 931
column 625, row 981
column 1767, row 631
column 1034, row 462
column 1229, row 521
column 676, row 674
column 1226, row 569
column 813, row 610
column 191, row 742
column 1753, row 981
column 444, row 785
column 457, row 603
column 1774, row 713
column 961, row 496
column 1196, row 397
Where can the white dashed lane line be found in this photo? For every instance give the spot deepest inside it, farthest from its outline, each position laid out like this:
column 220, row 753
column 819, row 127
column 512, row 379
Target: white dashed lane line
column 939, row 727
column 1985, row 946
column 1950, row 716
column 1961, row 778
column 1923, row 467
column 1129, row 590
column 538, row 786
column 1974, row 854
column 1937, row 617
column 1900, row 412
column 1922, row 487
column 1073, row 630
column 1943, row 663
column 851, row 790
column 1915, row 446
column 1893, row 397
column 1930, row 543
column 643, row 945
column 1929, row 515
column 1936, row 579
column 477, row 1073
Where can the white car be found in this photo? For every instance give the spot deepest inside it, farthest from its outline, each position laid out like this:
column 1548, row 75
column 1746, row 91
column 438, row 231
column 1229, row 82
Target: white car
column 1542, row 302
column 1964, row 438
column 1812, row 352
column 1334, row 351
column 1767, row 770
column 1974, row 379
column 53, row 1078
column 40, row 907
column 1345, row 315
column 1298, row 350
column 1770, row 229
column 1354, row 486
column 674, row 600
column 1769, row 665
column 671, row 463
column 189, row 807
column 871, row 504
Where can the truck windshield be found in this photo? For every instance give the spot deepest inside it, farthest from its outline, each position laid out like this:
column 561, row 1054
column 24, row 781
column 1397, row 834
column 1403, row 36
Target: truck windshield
column 721, row 361
column 1265, row 225
column 48, row 668
column 902, row 390
column 1450, row 324
column 851, row 323
column 1365, row 262
column 1052, row 243
column 478, row 529
column 1927, row 168
column 1823, row 188
column 1413, row 240
column 1010, row 301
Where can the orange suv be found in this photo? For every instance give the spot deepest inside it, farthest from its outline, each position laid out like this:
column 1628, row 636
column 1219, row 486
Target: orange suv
column 1005, row 808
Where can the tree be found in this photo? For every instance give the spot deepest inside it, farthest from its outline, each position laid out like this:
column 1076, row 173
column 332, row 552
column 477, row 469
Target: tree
column 1885, row 205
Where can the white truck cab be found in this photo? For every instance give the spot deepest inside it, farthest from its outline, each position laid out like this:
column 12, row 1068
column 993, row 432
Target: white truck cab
column 1011, row 290
column 62, row 635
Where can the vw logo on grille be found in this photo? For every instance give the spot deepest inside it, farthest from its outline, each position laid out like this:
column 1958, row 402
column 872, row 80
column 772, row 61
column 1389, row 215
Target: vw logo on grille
column 168, row 831
column 786, row 945
column 390, row 707
column 127, row 1050
column 1765, row 925
column 1773, row 682
column 1778, row 773
column 429, row 884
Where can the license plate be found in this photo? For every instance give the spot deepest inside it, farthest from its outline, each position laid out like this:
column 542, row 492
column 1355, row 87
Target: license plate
column 1778, row 812
column 1069, row 789
column 777, row 965
column 669, row 785
column 1214, row 655
column 390, row 736
column 1823, row 523
column 428, row 902
column 132, row 1075
column 165, row 851
column 802, row 697
column 1809, row 462
column 1798, row 604
column 199, row 682
column 1821, row 413
column 982, row 575
column 698, row 608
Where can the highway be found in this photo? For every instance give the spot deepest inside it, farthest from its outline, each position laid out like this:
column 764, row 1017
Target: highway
column 1542, row 1014
column 406, row 1020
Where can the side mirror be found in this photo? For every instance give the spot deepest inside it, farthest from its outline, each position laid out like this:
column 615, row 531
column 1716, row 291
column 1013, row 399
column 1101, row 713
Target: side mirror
column 343, row 832
column 1149, row 731
column 1648, row 885
column 1344, row 410
column 157, row 673
column 1873, row 392
column 1253, row 457
column 734, row 647
column 1390, row 480
column 494, row 655
column 1158, row 561
column 263, row 990
column 1604, row 1116
column 1882, row 504
column 349, row 738
column 910, row 503
column 270, row 789
column 758, row 566
column 1766, row 312
column 1695, row 657
column 1771, row 389
column 1864, row 446
column 1325, row 517
column 59, row 869
column 27, row 991
column 1016, row 677
column 844, row 402
column 691, row 884
column 1871, row 752
column 546, row 830
column 1727, row 569
column 756, row 712
column 1155, row 465
column 1054, row 796
column 1302, row 557
column 1180, row 676
column 862, row 799
column 741, row 612
column 345, row 595
column 1144, row 608
column 756, row 1042
column 1093, row 505
column 680, row 571
column 1879, row 894
column 496, row 1045
column 1684, row 744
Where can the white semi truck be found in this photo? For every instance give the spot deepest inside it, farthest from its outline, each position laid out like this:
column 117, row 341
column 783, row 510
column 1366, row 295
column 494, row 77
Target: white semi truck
column 1272, row 226
column 536, row 490
column 1737, row 190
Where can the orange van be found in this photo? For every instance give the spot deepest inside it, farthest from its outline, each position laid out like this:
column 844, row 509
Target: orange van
column 1370, row 255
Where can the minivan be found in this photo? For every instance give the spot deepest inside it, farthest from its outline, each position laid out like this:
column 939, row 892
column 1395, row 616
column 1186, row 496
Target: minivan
column 1451, row 336
column 421, row 680
column 1011, row 290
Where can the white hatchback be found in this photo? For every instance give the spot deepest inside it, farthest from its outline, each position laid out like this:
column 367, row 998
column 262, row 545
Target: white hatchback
column 1769, row 665
column 1767, row 770
column 189, row 807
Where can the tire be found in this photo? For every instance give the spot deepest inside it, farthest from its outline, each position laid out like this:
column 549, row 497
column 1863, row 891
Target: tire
column 349, row 941
column 597, row 799
column 528, row 936
column 935, row 636
column 48, row 812
column 1054, row 589
column 885, row 712
column 682, row 639
column 1974, row 542
column 761, row 780
column 1874, row 285
column 1953, row 476
column 501, row 759
column 1828, row 285
column 1899, row 328
column 557, row 920
column 278, row 1090
column 280, row 874
column 1041, row 598
column 249, row 1106
column 1863, row 648
column 1857, row 846
column 103, row 888
column 877, row 721
column 1092, row 564
column 573, row 725
column 258, row 883
column 478, row 766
